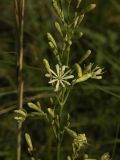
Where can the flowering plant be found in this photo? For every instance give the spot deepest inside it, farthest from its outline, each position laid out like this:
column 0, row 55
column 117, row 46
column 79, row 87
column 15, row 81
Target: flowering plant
column 63, row 77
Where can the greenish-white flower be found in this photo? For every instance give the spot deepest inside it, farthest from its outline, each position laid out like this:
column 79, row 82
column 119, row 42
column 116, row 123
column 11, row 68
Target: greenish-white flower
column 97, row 72
column 60, row 77
column 21, row 115
column 79, row 141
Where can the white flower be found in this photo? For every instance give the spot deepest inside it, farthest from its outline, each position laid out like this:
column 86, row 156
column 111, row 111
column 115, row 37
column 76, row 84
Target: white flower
column 60, row 77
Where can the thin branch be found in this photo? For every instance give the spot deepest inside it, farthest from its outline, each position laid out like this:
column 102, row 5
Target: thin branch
column 12, row 106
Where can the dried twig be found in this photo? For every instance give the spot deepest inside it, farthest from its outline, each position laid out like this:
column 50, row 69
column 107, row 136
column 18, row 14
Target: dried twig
column 19, row 13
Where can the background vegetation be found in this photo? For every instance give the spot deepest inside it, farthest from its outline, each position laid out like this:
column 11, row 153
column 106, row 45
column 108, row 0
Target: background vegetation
column 94, row 106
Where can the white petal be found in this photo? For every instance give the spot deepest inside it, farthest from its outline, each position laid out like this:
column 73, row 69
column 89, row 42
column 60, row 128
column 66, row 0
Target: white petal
column 52, row 81
column 53, row 72
column 62, row 84
column 63, row 70
column 66, row 82
column 54, row 77
column 57, row 69
column 68, row 77
column 57, row 86
column 67, row 73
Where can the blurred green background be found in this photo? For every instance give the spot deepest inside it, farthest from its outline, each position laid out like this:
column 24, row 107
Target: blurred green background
column 94, row 106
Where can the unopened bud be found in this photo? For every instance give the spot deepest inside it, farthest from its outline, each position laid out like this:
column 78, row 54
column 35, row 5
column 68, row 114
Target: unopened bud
column 71, row 132
column 78, row 70
column 51, row 39
column 86, row 55
column 80, row 19
column 57, row 26
column 47, row 66
column 89, row 8
column 57, row 9
column 29, row 142
column 51, row 112
column 34, row 107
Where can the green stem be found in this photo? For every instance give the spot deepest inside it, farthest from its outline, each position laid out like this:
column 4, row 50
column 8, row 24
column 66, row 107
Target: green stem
column 68, row 54
column 67, row 95
column 58, row 150
column 59, row 137
column 61, row 100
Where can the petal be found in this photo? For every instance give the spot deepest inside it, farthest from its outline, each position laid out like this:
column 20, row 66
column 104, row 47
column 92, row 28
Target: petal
column 57, row 86
column 53, row 72
column 96, row 68
column 67, row 73
column 66, row 82
column 62, row 84
column 63, row 70
column 52, row 81
column 57, row 69
column 99, row 71
column 68, row 77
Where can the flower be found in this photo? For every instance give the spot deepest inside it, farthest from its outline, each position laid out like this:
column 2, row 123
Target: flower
column 105, row 156
column 97, row 72
column 21, row 115
column 60, row 77
column 79, row 141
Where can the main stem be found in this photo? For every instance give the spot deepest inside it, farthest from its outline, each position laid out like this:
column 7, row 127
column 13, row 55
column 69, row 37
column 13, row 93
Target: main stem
column 58, row 151
column 60, row 136
column 19, row 13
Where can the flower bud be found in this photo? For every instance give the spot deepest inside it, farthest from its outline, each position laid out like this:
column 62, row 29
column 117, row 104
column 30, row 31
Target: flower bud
column 51, row 112
column 58, row 10
column 51, row 45
column 29, row 142
column 47, row 66
column 88, row 8
column 86, row 55
column 51, row 39
column 70, row 132
column 78, row 70
column 34, row 107
column 76, row 21
column 80, row 19
column 57, row 26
